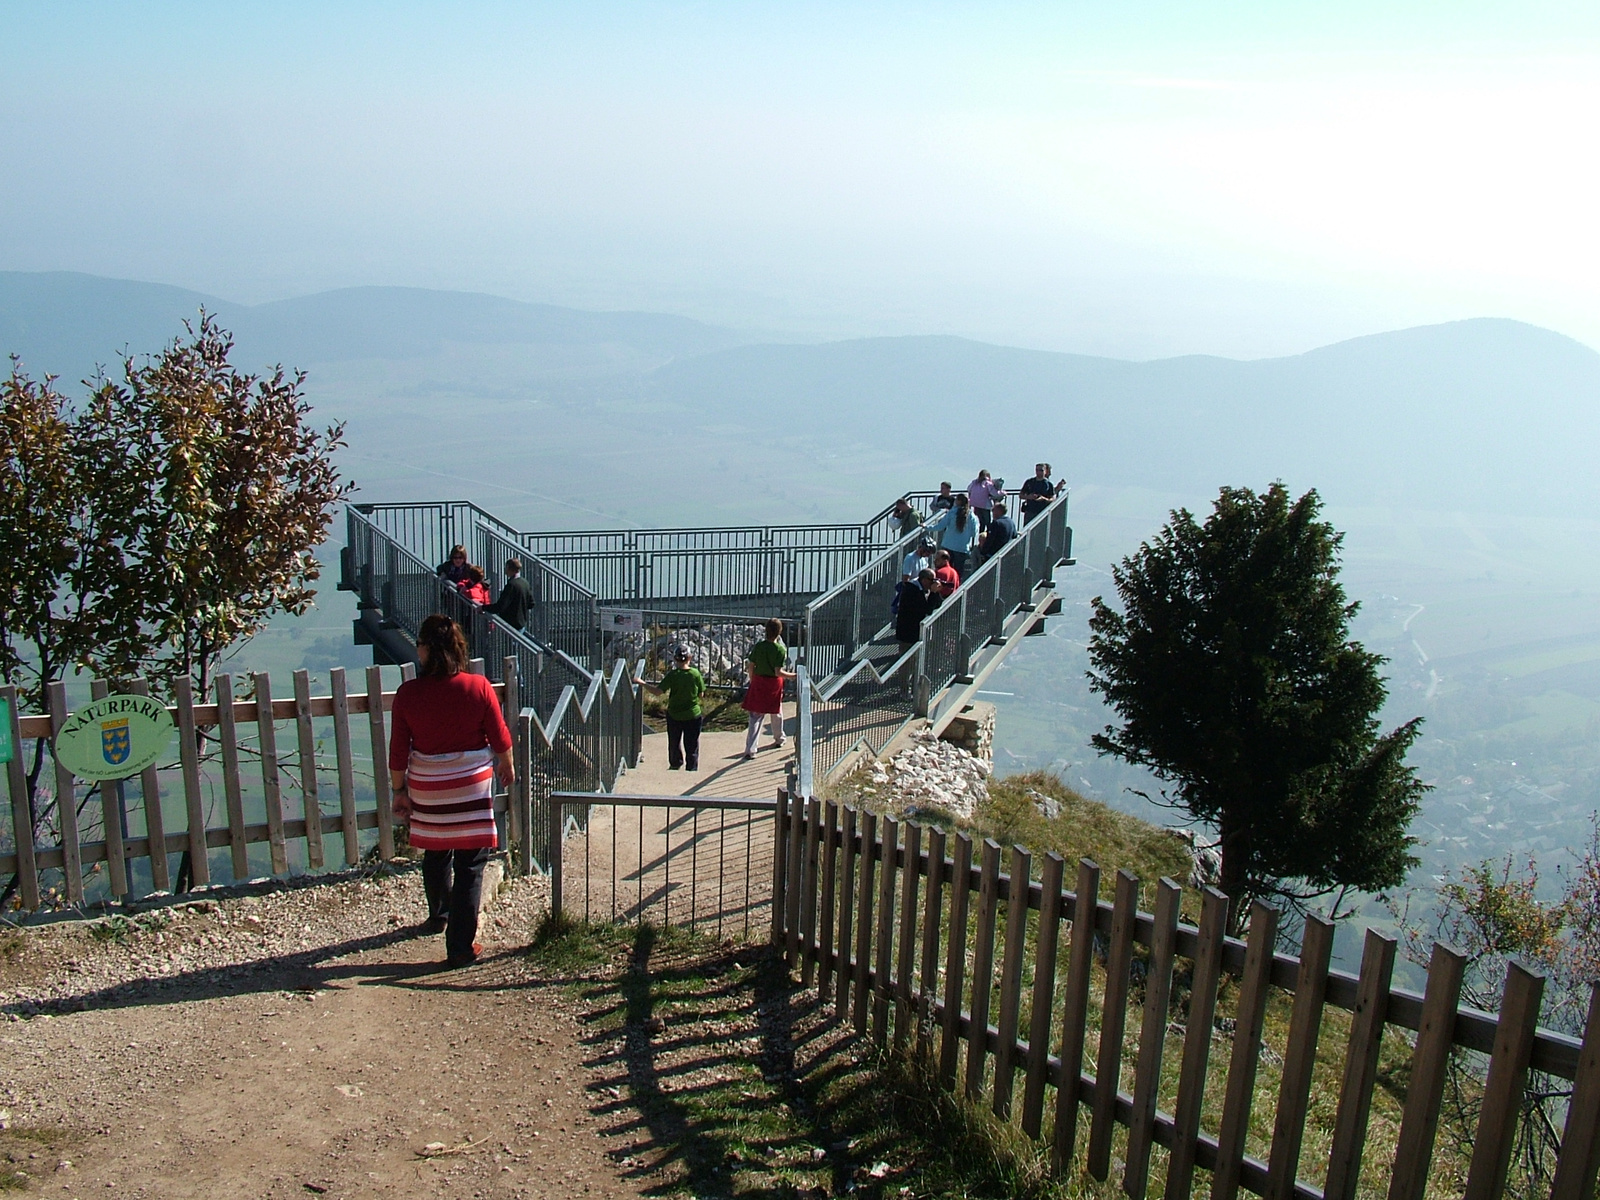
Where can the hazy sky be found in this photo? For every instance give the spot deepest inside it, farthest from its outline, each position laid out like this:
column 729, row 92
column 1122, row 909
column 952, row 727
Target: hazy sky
column 1136, row 179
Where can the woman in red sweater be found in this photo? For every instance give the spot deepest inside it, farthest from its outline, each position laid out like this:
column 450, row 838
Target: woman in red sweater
column 449, row 742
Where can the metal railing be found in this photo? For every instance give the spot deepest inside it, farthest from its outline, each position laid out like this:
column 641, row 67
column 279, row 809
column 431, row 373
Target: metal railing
column 976, row 614
column 709, row 866
column 854, row 613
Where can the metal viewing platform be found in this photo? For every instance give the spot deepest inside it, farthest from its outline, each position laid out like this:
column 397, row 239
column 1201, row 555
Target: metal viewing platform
column 607, row 602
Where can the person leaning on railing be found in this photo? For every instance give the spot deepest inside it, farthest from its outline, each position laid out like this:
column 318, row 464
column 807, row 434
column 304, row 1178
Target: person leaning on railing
column 448, row 744
column 917, row 600
column 454, row 568
column 764, row 695
column 516, row 597
column 1037, row 492
column 1001, row 530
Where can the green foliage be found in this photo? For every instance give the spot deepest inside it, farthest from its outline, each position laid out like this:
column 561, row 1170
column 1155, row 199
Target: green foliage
column 162, row 522
column 1231, row 668
column 222, row 493
column 48, row 616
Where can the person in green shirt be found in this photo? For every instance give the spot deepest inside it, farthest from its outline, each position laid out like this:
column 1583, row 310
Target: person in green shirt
column 682, row 686
column 764, row 695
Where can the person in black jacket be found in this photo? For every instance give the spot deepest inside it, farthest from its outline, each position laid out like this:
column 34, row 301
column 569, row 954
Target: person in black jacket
column 917, row 600
column 516, row 598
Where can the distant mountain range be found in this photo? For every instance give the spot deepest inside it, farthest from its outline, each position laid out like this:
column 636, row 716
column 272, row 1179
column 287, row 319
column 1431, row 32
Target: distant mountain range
column 1483, row 414
column 66, row 323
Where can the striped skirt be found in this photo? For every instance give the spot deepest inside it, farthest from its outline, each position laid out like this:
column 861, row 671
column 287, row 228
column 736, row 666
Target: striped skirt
column 452, row 800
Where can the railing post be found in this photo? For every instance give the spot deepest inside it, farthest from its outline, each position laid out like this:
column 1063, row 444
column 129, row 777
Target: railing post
column 524, row 789
column 557, row 811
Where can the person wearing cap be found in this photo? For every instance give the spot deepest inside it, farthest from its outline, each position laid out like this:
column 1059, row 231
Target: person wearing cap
column 683, row 686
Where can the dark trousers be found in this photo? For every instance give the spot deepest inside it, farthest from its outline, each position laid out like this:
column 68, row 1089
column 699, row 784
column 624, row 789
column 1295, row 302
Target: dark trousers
column 683, row 743
column 457, row 899
column 984, row 517
column 958, row 560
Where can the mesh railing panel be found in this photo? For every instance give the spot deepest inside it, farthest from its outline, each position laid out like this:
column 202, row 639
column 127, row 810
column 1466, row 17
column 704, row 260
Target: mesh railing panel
column 978, row 610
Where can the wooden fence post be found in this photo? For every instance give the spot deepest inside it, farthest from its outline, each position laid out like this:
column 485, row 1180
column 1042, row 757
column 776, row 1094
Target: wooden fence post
column 345, row 756
column 1360, row 1068
column 906, row 956
column 869, row 848
column 189, row 756
column 1152, row 1039
column 1580, row 1141
column 21, row 813
column 380, row 762
column 1011, row 978
column 1197, row 1042
column 1044, row 994
column 67, row 801
column 227, row 733
column 955, row 959
column 826, row 919
column 1300, row 1057
column 1075, row 1013
column 267, row 739
column 885, row 932
column 983, row 968
column 1249, row 1023
column 847, row 911
column 1430, row 1061
column 306, row 741
column 1113, row 1021
column 1502, row 1091
column 155, row 826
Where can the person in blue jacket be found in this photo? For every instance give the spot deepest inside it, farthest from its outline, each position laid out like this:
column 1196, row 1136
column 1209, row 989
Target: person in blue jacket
column 957, row 531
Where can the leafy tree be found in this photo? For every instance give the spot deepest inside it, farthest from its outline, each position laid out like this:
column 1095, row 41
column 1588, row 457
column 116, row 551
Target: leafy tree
column 1236, row 681
column 39, row 544
column 222, row 494
column 158, row 525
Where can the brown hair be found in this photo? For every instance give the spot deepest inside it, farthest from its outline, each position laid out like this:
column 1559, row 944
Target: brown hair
column 513, row 566
column 447, row 648
column 473, row 573
column 455, row 550
column 775, row 629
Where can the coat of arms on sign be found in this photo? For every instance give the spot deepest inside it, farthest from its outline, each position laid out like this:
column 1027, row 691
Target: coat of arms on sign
column 115, row 741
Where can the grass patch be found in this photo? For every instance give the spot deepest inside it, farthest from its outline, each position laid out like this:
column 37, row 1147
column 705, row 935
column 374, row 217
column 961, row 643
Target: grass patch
column 28, row 1152
column 723, row 1079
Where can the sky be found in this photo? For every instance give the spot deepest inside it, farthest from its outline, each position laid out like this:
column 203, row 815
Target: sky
column 1137, row 180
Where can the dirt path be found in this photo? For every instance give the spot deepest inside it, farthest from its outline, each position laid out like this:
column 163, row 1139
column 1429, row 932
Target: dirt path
column 217, row 1061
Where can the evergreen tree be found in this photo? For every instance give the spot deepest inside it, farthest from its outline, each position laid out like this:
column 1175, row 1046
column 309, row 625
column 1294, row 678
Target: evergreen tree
column 1236, row 681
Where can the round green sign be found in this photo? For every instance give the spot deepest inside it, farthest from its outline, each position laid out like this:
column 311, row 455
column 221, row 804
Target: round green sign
column 115, row 737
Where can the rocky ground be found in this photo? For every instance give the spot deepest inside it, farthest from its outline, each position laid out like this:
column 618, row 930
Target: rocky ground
column 929, row 776
column 297, row 1041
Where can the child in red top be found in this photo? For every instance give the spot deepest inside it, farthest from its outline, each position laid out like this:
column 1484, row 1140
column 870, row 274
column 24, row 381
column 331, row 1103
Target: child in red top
column 473, row 587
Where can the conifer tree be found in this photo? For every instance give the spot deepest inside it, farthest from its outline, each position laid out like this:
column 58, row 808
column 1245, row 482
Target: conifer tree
column 1232, row 669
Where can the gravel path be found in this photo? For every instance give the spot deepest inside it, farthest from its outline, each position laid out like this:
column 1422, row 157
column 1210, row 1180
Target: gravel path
column 301, row 1041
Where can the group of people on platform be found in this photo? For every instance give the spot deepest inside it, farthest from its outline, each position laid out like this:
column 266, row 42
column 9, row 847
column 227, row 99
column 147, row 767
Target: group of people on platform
column 963, row 532
column 450, row 743
column 516, row 597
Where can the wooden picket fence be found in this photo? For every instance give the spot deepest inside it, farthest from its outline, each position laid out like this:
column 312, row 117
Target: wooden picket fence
column 899, row 928
column 363, row 800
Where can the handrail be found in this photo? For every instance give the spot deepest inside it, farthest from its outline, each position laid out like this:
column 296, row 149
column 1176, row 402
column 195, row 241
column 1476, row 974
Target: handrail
column 803, row 734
